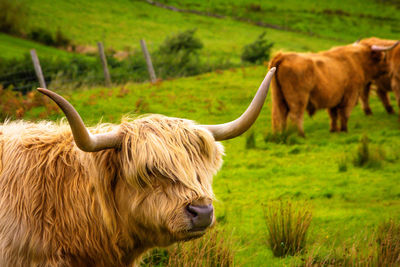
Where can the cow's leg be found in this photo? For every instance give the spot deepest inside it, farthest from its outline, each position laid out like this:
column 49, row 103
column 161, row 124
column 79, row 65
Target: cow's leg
column 297, row 99
column 296, row 115
column 344, row 117
column 279, row 116
column 383, row 95
column 365, row 99
column 297, row 118
column 345, row 108
column 333, row 113
column 395, row 84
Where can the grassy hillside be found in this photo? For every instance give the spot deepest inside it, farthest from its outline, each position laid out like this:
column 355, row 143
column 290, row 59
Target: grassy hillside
column 341, row 20
column 122, row 23
column 345, row 204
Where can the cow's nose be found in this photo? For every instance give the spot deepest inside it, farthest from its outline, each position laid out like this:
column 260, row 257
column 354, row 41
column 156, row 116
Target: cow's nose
column 201, row 216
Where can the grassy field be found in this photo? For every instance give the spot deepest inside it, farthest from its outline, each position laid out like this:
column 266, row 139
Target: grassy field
column 345, row 204
column 122, row 24
column 341, row 20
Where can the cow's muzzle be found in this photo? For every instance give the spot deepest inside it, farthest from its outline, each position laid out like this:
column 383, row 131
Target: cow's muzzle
column 200, row 216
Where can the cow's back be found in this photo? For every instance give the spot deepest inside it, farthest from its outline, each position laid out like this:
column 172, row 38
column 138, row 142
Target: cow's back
column 319, row 75
column 45, row 199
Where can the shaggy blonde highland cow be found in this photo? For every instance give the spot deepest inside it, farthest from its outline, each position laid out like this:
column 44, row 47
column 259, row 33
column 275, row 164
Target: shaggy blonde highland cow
column 103, row 197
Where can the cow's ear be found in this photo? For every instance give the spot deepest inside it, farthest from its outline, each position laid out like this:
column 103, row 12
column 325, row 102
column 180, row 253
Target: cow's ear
column 377, row 55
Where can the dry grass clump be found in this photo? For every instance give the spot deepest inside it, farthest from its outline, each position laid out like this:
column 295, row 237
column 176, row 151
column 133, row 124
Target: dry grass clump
column 287, row 137
column 287, row 225
column 212, row 250
column 388, row 239
column 366, row 156
column 381, row 249
column 250, row 140
column 345, row 256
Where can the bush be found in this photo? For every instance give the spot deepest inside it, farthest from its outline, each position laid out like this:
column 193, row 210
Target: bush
column 258, row 51
column 44, row 36
column 61, row 40
column 287, row 226
column 41, row 35
column 214, row 249
column 13, row 16
column 178, row 55
column 183, row 41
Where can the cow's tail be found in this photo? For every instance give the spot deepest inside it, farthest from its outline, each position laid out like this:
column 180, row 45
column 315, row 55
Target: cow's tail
column 280, row 108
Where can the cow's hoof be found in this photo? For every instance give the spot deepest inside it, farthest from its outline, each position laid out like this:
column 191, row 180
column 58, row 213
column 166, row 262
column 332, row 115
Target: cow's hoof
column 390, row 110
column 368, row 111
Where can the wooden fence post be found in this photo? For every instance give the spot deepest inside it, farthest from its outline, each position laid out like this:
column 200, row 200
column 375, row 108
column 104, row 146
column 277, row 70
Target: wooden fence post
column 38, row 69
column 104, row 63
column 148, row 61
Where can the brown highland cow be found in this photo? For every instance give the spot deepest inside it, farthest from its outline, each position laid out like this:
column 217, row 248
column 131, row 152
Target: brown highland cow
column 102, row 197
column 389, row 80
column 329, row 80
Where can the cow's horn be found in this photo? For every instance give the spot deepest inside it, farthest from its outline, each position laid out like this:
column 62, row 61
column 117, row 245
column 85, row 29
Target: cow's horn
column 357, row 42
column 243, row 123
column 83, row 138
column 379, row 48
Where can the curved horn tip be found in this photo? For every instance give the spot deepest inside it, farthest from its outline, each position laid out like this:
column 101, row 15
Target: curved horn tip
column 270, row 73
column 245, row 121
column 45, row 91
column 383, row 48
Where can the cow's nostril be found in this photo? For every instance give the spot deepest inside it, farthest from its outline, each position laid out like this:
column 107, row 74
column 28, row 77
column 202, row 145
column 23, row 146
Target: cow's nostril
column 191, row 211
column 200, row 216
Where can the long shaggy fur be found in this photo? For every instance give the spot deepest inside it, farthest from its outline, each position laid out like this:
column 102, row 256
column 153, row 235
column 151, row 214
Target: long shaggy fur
column 60, row 206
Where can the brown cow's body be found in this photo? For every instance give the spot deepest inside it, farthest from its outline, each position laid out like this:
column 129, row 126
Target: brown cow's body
column 389, row 81
column 329, row 80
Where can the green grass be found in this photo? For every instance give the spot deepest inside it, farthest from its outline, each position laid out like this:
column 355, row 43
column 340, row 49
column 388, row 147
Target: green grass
column 122, row 23
column 337, row 19
column 12, row 47
column 344, row 204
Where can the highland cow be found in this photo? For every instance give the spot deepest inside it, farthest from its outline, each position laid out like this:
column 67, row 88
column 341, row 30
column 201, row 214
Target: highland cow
column 329, row 80
column 104, row 196
column 389, row 80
